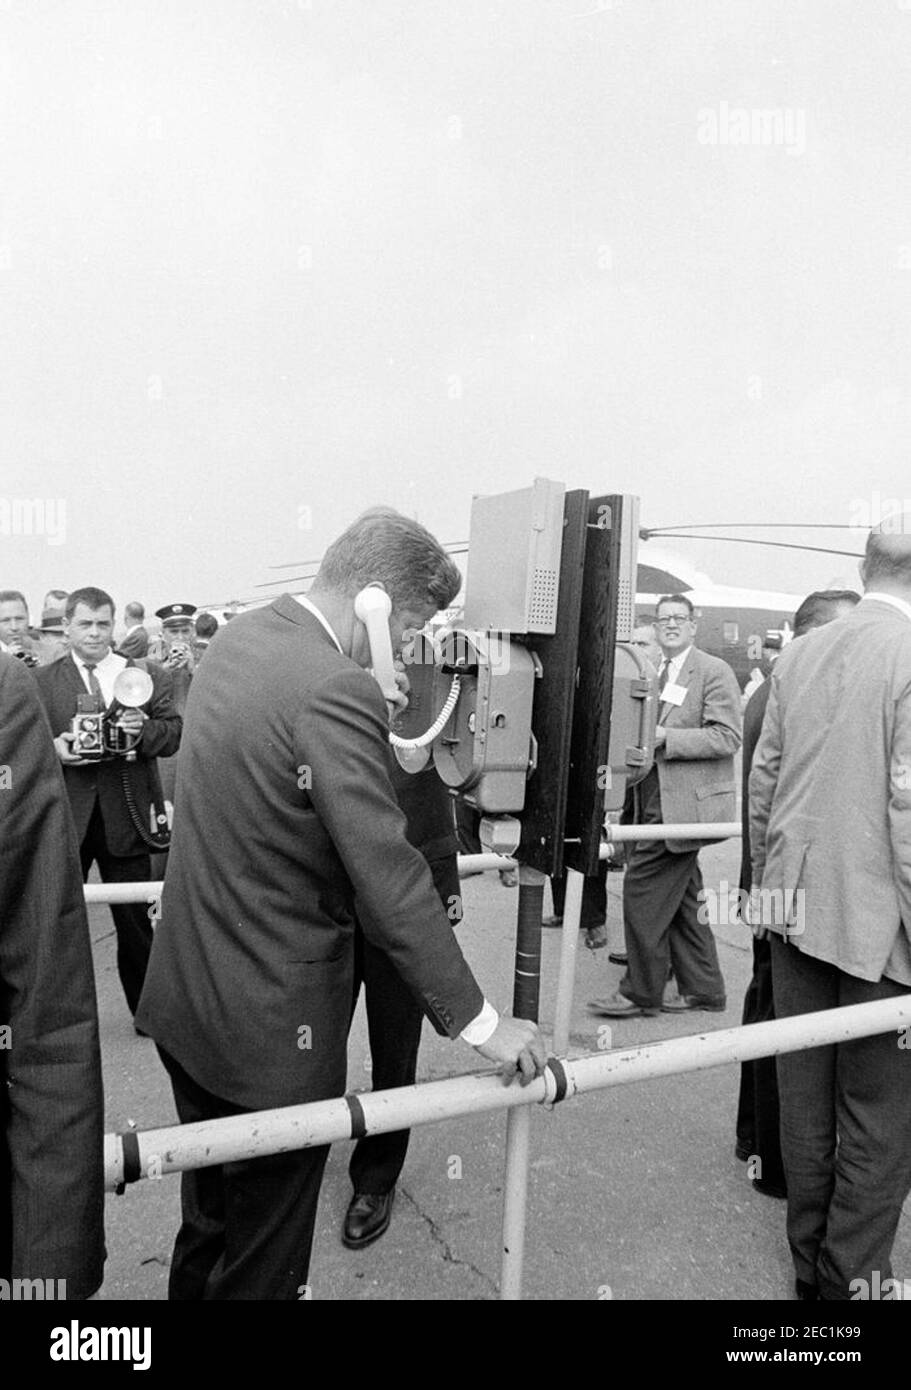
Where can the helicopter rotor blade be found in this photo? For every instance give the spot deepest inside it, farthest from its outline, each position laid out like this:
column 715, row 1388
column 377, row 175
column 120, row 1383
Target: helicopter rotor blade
column 451, row 548
column 647, row 532
column 777, row 545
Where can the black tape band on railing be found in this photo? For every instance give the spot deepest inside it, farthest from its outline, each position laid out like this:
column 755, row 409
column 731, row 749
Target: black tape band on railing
column 527, row 980
column 358, row 1118
column 558, row 1072
column 132, row 1164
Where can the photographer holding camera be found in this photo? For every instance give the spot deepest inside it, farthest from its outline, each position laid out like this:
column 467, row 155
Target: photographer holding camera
column 15, row 638
column 174, row 651
column 108, row 754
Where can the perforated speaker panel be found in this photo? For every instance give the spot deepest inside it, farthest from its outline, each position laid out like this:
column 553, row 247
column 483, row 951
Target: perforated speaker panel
column 542, row 607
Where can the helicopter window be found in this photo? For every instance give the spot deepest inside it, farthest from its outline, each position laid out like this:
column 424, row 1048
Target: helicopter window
column 731, row 633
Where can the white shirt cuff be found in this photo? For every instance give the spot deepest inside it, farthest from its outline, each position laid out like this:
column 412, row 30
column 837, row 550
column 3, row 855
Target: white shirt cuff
column 482, row 1027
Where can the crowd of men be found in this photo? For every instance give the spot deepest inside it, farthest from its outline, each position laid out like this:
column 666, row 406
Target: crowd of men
column 41, row 644
column 302, row 864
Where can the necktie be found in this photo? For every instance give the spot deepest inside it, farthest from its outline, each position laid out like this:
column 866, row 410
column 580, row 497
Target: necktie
column 94, row 683
column 665, row 677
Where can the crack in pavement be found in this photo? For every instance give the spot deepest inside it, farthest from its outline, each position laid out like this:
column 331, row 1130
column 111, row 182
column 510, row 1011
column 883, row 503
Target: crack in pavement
column 444, row 1245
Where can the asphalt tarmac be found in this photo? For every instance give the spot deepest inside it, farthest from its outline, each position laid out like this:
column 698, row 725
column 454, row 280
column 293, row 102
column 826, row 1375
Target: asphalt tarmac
column 634, row 1192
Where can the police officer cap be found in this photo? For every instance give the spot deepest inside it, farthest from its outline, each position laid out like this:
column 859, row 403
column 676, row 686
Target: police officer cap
column 176, row 612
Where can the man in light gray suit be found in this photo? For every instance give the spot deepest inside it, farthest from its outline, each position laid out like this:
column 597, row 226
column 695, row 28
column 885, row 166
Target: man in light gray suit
column 830, row 830
column 692, row 780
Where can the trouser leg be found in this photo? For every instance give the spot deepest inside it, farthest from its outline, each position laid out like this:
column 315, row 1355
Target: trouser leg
column 806, row 1085
column 131, row 920
column 652, row 889
column 654, row 886
column 247, row 1227
column 132, row 923
column 746, row 1100
column 873, row 1157
column 394, row 1021
column 767, row 1118
column 201, row 1238
column 694, row 955
column 594, row 897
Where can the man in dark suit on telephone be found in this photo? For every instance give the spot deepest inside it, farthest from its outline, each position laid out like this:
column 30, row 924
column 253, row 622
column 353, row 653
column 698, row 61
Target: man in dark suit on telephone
column 114, row 801
column 287, row 831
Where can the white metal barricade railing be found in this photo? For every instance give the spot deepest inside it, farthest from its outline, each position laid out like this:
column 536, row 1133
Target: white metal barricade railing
column 152, row 1153
column 617, row 834
column 155, row 1152
column 136, row 1154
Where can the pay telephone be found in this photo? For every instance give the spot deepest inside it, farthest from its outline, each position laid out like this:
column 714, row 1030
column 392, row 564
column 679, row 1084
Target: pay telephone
column 474, row 687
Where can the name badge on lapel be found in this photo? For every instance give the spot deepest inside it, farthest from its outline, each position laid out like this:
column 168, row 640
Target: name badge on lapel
column 673, row 694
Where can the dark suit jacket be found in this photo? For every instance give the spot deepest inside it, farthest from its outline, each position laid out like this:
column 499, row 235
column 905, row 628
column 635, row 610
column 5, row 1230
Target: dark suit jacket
column 136, row 643
column 696, row 765
column 58, row 685
column 752, row 727
column 51, row 1103
column 430, row 826
column 429, row 810
column 286, row 828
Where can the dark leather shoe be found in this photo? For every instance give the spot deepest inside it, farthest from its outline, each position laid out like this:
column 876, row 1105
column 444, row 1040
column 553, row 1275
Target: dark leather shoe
column 679, row 1003
column 367, row 1218
column 618, row 958
column 618, row 1006
column 770, row 1189
column 552, row 922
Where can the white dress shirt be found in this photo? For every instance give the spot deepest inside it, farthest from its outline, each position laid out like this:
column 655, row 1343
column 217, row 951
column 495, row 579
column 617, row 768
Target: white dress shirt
column 107, row 670
column 674, row 667
column 312, row 608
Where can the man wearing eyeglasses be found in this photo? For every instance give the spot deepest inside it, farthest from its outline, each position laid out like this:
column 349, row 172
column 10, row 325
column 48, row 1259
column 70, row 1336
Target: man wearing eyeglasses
column 692, row 780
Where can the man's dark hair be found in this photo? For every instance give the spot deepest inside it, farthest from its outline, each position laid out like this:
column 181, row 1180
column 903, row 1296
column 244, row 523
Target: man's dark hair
column 821, row 607
column 134, row 609
column 13, row 596
column 675, row 598
column 888, row 554
column 384, row 547
column 206, row 625
column 91, row 597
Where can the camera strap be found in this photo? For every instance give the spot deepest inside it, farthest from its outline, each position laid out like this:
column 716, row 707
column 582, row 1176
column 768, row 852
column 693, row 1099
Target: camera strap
column 159, row 841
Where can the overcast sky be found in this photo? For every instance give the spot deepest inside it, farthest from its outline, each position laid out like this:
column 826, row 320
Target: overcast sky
column 266, row 262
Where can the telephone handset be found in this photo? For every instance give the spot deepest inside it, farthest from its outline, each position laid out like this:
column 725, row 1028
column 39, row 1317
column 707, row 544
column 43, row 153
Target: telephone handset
column 373, row 606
